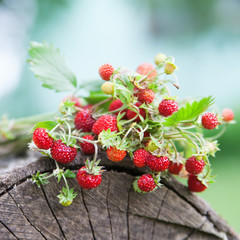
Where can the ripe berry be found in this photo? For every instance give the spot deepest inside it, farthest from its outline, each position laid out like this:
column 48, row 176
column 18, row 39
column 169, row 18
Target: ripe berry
column 115, row 154
column 104, row 123
column 87, row 148
column 175, row 168
column 131, row 114
column 63, row 153
column 146, row 96
column 209, row 120
column 41, row 139
column 194, row 166
column 159, row 58
column 140, row 158
column 116, row 104
column 169, row 68
column 146, row 183
column 84, row 121
column 86, row 180
column 146, row 68
column 107, row 88
column 195, row 185
column 227, row 115
column 157, row 164
column 167, row 107
column 106, row 71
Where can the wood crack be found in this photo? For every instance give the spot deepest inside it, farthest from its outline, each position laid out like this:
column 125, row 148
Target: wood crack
column 89, row 219
column 28, row 220
column 128, row 202
column 108, row 210
column 9, row 230
column 49, row 206
column 159, row 212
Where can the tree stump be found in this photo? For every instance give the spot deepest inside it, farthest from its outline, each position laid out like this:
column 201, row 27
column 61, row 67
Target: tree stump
column 111, row 211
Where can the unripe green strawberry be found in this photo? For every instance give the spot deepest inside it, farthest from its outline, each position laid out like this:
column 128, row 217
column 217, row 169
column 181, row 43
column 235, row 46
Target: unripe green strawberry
column 67, row 203
column 159, row 58
column 169, row 68
column 107, row 88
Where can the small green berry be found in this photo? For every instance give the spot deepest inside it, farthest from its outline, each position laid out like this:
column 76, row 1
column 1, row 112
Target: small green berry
column 170, row 68
column 67, row 203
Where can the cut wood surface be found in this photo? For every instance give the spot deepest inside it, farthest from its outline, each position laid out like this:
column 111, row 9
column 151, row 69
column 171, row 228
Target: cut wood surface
column 111, row 211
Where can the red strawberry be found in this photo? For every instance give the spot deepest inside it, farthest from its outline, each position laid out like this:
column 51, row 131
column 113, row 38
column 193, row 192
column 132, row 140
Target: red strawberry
column 140, row 158
column 104, row 123
column 194, row 166
column 106, row 71
column 227, row 115
column 115, row 154
column 41, row 139
column 157, row 164
column 146, row 68
column 116, row 104
column 87, row 148
column 195, row 185
column 146, row 96
column 84, row 121
column 167, row 107
column 63, row 153
column 86, row 180
column 131, row 114
column 146, row 183
column 209, row 120
column 175, row 168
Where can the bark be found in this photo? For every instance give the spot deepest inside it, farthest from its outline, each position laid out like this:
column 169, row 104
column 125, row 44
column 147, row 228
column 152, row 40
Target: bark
column 111, row 211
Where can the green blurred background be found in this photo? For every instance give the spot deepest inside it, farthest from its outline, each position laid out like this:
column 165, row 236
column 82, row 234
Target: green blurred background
column 203, row 36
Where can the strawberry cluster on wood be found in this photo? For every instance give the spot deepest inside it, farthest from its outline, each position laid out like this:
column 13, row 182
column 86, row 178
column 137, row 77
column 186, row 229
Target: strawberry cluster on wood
column 134, row 114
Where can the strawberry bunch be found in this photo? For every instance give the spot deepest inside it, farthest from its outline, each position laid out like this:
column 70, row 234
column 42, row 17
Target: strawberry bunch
column 135, row 115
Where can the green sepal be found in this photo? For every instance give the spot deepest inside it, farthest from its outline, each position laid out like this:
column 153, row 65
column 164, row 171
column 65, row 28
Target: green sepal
column 66, row 197
column 69, row 174
column 39, row 178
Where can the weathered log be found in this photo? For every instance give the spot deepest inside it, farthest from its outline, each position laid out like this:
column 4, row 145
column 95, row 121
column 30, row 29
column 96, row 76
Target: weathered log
column 111, row 211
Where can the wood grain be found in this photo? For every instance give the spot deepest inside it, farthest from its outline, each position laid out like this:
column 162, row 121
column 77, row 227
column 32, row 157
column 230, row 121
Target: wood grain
column 111, row 211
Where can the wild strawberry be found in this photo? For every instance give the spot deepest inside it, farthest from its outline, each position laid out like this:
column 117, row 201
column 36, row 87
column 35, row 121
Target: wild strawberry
column 41, row 139
column 175, row 168
column 227, row 115
column 87, row 148
column 63, row 153
column 146, row 183
column 146, row 96
column 105, row 122
column 157, row 164
column 159, row 58
column 84, row 121
column 106, row 71
column 131, row 114
column 169, row 68
column 146, row 68
column 194, row 166
column 140, row 158
column 87, row 180
column 195, row 185
column 115, row 154
column 167, row 107
column 116, row 104
column 209, row 120
column 107, row 88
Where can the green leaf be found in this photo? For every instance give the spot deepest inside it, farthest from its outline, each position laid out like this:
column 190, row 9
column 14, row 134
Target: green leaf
column 49, row 125
column 49, row 66
column 69, row 174
column 189, row 111
column 96, row 97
